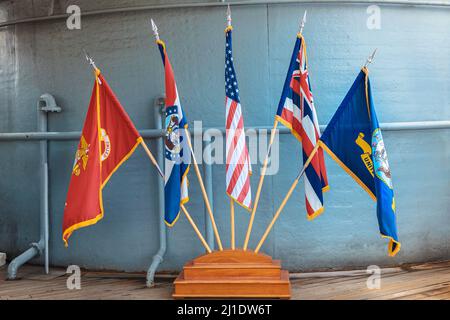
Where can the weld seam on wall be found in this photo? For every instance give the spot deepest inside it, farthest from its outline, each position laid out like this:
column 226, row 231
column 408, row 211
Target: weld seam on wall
column 219, row 4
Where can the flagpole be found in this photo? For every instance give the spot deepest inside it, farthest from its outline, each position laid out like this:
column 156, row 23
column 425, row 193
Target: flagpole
column 188, row 216
column 286, row 198
column 90, row 60
column 260, row 184
column 202, row 187
column 197, row 171
column 263, row 170
column 92, row 63
column 233, row 242
column 302, row 24
column 232, row 230
column 183, row 208
column 370, row 58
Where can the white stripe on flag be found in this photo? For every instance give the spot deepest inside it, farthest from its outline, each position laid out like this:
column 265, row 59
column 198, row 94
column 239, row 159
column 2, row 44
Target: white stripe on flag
column 289, row 104
column 311, row 195
column 184, row 189
column 168, row 164
column 308, row 126
column 234, row 161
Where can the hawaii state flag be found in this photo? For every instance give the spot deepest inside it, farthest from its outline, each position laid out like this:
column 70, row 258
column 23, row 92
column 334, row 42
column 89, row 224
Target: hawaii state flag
column 296, row 111
column 108, row 139
column 177, row 153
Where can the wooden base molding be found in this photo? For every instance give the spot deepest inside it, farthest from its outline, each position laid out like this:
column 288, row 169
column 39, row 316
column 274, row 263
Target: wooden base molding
column 233, row 274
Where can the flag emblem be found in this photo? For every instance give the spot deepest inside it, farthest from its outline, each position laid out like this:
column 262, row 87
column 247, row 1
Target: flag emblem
column 173, row 138
column 366, row 156
column 106, row 144
column 381, row 164
column 81, row 157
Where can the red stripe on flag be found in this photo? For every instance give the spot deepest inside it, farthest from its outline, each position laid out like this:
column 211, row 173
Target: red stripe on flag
column 323, row 170
column 309, row 210
column 234, row 142
column 288, row 116
column 237, row 171
column 231, row 112
column 244, row 190
column 171, row 88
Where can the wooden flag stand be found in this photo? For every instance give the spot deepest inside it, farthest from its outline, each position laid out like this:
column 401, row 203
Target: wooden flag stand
column 238, row 273
column 233, row 274
column 229, row 273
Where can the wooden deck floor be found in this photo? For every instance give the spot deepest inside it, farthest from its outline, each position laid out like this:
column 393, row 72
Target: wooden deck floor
column 425, row 281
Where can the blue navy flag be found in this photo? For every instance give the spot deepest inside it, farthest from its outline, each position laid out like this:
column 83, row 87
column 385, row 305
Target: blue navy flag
column 177, row 155
column 353, row 139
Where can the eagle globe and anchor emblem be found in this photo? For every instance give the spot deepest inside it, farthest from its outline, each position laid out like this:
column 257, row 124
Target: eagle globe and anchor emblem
column 173, row 137
column 82, row 154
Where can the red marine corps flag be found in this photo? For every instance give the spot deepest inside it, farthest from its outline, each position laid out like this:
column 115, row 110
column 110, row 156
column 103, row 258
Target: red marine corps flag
column 108, row 139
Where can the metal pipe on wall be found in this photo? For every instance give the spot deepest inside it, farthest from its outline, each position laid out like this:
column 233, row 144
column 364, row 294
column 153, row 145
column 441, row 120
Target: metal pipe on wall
column 207, row 171
column 156, row 133
column 159, row 256
column 46, row 103
column 433, row 3
column 64, row 136
column 387, row 126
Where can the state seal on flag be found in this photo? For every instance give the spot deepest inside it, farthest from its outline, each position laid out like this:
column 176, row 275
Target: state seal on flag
column 381, row 165
column 173, row 138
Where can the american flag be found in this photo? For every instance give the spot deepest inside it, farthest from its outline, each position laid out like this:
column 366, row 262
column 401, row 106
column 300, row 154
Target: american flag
column 238, row 167
column 297, row 112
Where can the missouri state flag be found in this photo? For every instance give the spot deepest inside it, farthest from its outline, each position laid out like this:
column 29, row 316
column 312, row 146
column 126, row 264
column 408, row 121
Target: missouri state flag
column 353, row 139
column 296, row 111
column 108, row 139
column 177, row 153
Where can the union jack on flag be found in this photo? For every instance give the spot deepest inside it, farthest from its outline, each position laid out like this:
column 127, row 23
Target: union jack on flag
column 238, row 167
column 297, row 112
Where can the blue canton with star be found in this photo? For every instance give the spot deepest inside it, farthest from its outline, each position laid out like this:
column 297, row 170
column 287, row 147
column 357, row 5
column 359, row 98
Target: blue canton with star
column 231, row 85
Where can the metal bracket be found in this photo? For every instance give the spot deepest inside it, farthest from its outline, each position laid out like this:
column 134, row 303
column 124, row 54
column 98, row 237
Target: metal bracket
column 36, row 246
column 47, row 103
column 161, row 103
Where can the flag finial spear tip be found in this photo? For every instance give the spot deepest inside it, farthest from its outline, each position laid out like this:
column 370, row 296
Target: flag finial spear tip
column 302, row 24
column 155, row 29
column 89, row 59
column 370, row 58
column 86, row 54
column 228, row 16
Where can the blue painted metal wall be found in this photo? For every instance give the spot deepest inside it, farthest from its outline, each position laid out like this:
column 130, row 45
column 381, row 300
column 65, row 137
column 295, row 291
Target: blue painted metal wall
column 411, row 82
